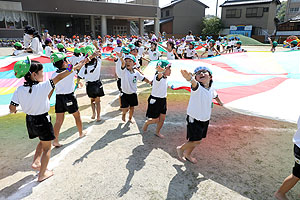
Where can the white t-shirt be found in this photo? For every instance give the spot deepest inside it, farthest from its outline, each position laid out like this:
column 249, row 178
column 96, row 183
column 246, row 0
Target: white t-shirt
column 200, row 103
column 129, row 80
column 154, row 55
column 189, row 38
column 170, row 55
column 75, row 60
column 153, row 37
column 118, row 49
column 180, row 49
column 27, row 40
column 48, row 51
column 294, row 48
column 66, row 85
column 18, row 52
column 159, row 88
column 141, row 51
column 236, row 50
column 218, row 43
column 190, row 52
column 90, row 77
column 36, row 46
column 36, row 102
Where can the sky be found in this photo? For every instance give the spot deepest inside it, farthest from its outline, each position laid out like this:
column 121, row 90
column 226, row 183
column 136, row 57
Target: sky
column 210, row 3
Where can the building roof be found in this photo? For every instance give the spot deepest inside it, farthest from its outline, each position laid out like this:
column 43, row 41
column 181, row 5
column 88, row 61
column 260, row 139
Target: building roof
column 161, row 21
column 244, row 2
column 174, row 2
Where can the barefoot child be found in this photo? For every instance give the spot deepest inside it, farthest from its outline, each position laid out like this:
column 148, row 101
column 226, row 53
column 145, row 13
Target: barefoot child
column 198, row 111
column 157, row 101
column 129, row 77
column 33, row 97
column 65, row 98
column 94, row 89
column 292, row 179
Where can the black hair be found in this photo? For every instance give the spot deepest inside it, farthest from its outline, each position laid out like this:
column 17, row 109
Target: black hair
column 36, row 34
column 35, row 66
column 190, row 32
column 59, row 63
column 47, row 42
column 77, row 54
column 61, row 50
column 94, row 62
column 172, row 45
column 154, row 43
column 18, row 47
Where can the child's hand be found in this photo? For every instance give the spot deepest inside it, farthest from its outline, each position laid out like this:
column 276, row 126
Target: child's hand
column 186, row 75
column 95, row 43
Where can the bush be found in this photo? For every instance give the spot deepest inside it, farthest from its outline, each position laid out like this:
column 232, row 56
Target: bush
column 211, row 26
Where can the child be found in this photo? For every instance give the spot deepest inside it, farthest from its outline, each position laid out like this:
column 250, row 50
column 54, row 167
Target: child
column 211, row 50
column 154, row 54
column 171, row 51
column 65, row 98
column 157, row 101
column 19, row 49
column 94, row 87
column 76, row 58
column 60, row 47
column 198, row 111
column 292, row 179
column 273, row 45
column 294, row 45
column 34, row 100
column 218, row 43
column 238, row 47
column 48, row 45
column 129, row 77
column 191, row 52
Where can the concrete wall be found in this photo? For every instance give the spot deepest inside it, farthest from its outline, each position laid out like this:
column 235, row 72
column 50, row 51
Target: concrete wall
column 264, row 22
column 188, row 15
column 167, row 27
column 289, row 14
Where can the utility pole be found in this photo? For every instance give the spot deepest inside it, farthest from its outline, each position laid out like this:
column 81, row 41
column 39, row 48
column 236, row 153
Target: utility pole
column 217, row 9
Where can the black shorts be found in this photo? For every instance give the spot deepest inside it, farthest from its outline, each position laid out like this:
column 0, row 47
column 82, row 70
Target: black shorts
column 66, row 103
column 218, row 47
column 141, row 61
column 228, row 47
column 94, row 89
column 210, row 56
column 40, row 126
column 196, row 130
column 180, row 56
column 156, row 106
column 128, row 100
column 119, row 84
column 296, row 169
column 189, row 58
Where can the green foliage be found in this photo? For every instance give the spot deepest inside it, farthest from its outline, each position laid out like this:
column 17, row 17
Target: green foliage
column 281, row 11
column 211, row 26
column 247, row 41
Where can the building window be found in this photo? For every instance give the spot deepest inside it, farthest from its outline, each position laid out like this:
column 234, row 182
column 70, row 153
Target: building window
column 233, row 13
column 266, row 9
column 87, row 25
column 254, row 12
column 119, row 30
column 161, row 14
column 294, row 9
column 167, row 13
column 98, row 25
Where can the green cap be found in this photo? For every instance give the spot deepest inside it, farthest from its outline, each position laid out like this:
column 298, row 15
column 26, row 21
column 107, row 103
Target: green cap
column 18, row 44
column 82, row 50
column 57, row 57
column 192, row 43
column 60, row 46
column 163, row 64
column 125, row 50
column 275, row 43
column 130, row 56
column 294, row 42
column 89, row 49
column 77, row 50
column 22, row 67
column 212, row 41
column 239, row 42
column 131, row 46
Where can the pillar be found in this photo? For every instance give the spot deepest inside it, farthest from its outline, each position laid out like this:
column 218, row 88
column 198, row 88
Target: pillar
column 156, row 26
column 141, row 27
column 103, row 26
column 93, row 32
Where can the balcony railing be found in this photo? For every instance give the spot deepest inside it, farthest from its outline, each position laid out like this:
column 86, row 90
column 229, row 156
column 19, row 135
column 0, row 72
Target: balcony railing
column 138, row 2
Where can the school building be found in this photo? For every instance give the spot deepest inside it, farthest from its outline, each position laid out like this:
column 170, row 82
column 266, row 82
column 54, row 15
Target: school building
column 292, row 9
column 249, row 17
column 82, row 17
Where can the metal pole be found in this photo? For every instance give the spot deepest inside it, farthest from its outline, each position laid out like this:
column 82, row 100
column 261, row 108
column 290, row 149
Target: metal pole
column 217, row 9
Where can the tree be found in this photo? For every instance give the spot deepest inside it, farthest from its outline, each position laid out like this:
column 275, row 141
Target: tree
column 211, row 26
column 280, row 14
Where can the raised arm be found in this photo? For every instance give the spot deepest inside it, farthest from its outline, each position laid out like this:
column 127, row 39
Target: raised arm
column 189, row 77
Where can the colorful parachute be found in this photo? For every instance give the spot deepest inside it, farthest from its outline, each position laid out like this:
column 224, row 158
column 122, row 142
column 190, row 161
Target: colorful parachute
column 256, row 83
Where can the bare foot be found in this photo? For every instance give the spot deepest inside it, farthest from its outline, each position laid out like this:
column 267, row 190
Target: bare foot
column 160, row 135
column 46, row 175
column 56, row 144
column 98, row 119
column 93, row 116
column 145, row 127
column 82, row 134
column 280, row 196
column 36, row 166
column 180, row 153
column 130, row 121
column 191, row 159
column 123, row 117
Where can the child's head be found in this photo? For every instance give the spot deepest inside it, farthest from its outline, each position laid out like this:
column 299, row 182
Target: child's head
column 130, row 61
column 60, row 47
column 77, row 52
column 170, row 44
column 134, row 51
column 59, row 60
column 211, row 43
column 238, row 44
column 294, row 43
column 203, row 75
column 164, row 64
column 18, row 46
column 275, row 44
column 119, row 43
column 48, row 42
column 125, row 50
column 153, row 46
column 191, row 45
column 82, row 50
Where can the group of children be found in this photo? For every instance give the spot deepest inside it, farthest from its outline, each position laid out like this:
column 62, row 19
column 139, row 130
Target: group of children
column 34, row 95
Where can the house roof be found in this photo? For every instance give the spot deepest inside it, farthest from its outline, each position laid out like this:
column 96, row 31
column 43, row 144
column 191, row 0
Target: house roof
column 161, row 21
column 244, row 2
column 174, row 2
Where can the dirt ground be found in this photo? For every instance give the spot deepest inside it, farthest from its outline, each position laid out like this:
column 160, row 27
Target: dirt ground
column 243, row 157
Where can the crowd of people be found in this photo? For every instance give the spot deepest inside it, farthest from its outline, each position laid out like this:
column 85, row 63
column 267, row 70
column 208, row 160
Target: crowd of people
column 128, row 54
